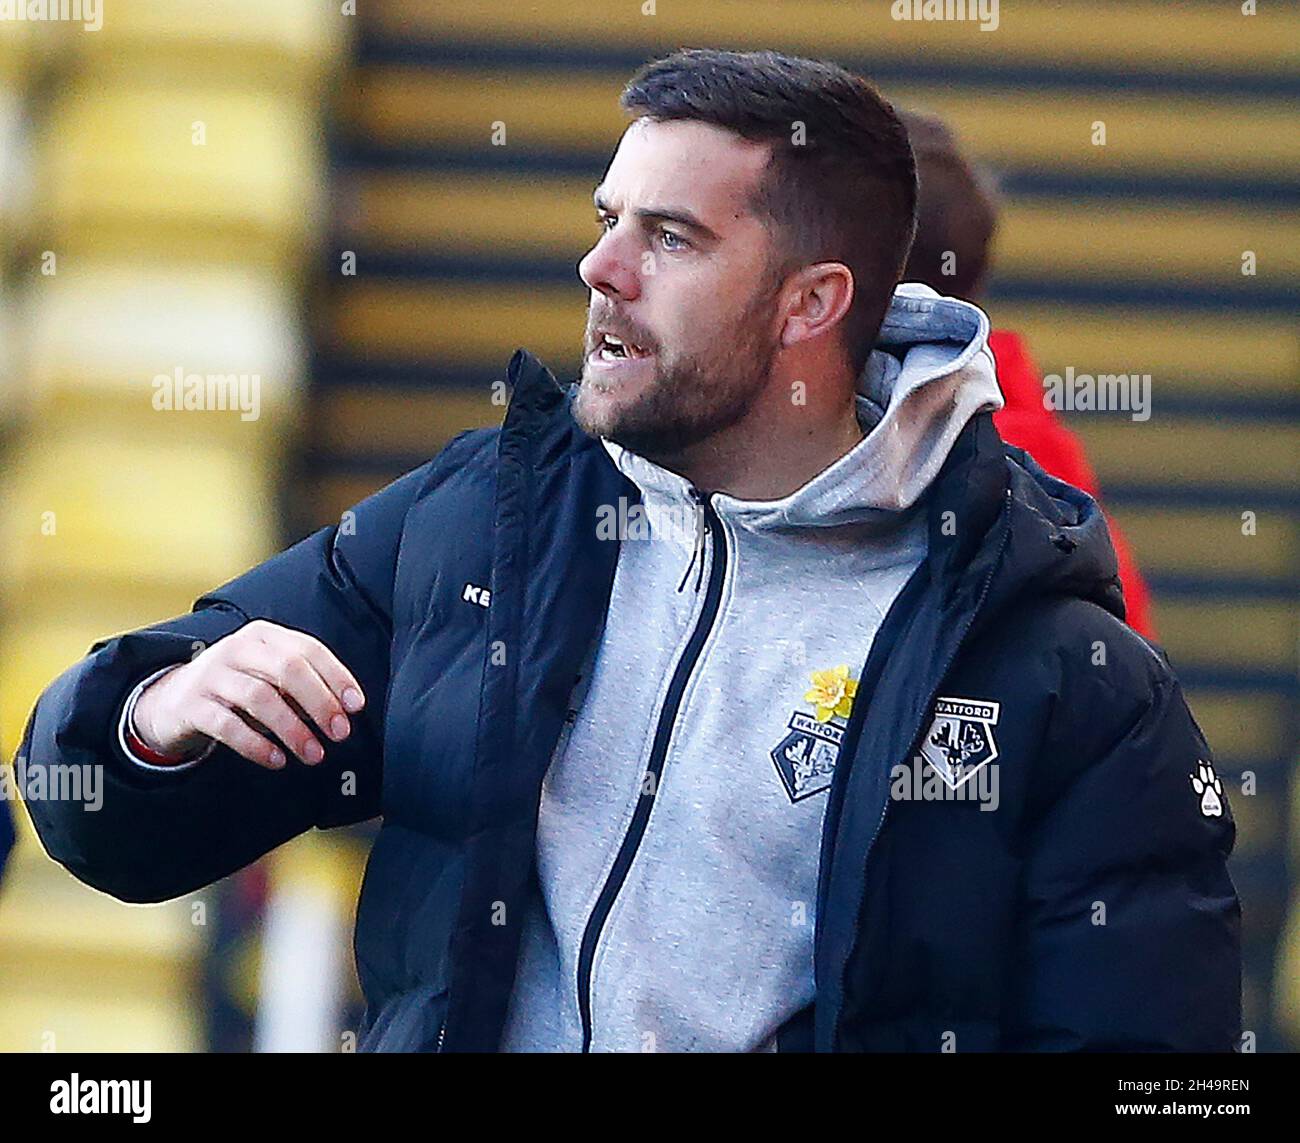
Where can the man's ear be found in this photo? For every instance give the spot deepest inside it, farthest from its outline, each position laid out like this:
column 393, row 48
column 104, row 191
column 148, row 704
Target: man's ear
column 819, row 297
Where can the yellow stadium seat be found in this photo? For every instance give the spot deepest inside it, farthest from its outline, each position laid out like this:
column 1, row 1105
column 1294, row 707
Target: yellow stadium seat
column 168, row 159
column 54, row 625
column 80, row 971
column 149, row 510
column 15, row 49
column 12, row 159
column 117, row 335
column 12, row 400
column 288, row 42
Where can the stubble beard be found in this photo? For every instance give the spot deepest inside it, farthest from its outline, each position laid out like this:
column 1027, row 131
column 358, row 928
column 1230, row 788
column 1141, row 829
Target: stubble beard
column 691, row 398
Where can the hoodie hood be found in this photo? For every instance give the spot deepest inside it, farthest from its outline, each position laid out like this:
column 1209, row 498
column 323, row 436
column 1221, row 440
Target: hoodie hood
column 930, row 372
column 925, row 398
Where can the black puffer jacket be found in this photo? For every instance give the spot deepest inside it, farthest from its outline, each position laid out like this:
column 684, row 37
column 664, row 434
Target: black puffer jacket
column 1091, row 910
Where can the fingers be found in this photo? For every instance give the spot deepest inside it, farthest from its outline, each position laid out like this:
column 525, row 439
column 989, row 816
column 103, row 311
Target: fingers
column 300, row 683
column 336, row 676
column 226, row 726
column 289, row 644
column 274, row 682
column 253, row 697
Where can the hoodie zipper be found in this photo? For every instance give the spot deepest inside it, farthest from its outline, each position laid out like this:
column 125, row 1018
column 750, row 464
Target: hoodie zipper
column 658, row 753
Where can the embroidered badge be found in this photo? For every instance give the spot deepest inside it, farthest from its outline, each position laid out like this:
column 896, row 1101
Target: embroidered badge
column 805, row 758
column 960, row 738
column 1206, row 783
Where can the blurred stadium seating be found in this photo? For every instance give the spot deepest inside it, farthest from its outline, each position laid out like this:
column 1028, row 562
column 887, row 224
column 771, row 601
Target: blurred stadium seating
column 1125, row 257
column 164, row 200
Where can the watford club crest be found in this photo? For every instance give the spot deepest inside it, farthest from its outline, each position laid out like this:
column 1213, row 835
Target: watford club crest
column 960, row 738
column 805, row 758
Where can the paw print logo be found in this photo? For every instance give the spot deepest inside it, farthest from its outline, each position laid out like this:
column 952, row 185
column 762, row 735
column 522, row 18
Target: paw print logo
column 1206, row 783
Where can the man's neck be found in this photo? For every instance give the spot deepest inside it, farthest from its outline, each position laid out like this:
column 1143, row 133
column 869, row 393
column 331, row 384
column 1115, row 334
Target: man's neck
column 770, row 454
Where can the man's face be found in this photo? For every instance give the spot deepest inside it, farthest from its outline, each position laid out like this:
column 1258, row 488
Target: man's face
column 681, row 276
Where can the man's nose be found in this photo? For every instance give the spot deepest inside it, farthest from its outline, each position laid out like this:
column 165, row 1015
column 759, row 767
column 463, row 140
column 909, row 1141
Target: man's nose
column 610, row 268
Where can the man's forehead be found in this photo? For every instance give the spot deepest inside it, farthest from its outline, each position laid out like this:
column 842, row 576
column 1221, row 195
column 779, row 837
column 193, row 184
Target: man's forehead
column 712, row 168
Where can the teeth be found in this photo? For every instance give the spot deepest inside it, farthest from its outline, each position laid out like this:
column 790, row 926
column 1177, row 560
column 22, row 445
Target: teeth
column 624, row 348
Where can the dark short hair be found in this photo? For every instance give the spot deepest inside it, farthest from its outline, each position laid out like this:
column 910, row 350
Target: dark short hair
column 841, row 188
column 957, row 212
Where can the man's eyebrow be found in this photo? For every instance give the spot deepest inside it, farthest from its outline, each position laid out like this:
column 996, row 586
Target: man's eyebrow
column 679, row 215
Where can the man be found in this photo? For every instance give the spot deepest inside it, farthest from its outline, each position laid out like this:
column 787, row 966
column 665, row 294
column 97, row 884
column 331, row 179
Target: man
column 659, row 687
column 957, row 215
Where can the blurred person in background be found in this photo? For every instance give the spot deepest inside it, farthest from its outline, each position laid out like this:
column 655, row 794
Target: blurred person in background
column 957, row 217
column 647, row 795
column 6, row 836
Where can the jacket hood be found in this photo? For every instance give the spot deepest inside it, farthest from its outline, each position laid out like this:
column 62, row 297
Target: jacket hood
column 930, row 371
column 1059, row 542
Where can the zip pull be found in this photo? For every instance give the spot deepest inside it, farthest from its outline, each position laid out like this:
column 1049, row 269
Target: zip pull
column 700, row 533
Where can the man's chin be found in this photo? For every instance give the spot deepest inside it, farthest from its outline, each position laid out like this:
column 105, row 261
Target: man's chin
column 601, row 406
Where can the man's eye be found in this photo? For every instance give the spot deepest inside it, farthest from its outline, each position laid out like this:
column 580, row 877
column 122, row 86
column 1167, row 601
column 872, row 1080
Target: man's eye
column 604, row 221
column 673, row 240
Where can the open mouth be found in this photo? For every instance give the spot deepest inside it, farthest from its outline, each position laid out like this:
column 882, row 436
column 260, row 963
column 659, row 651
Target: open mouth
column 611, row 348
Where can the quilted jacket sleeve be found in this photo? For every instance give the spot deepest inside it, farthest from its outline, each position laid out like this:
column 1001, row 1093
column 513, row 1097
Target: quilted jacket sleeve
column 1129, row 938
column 150, row 835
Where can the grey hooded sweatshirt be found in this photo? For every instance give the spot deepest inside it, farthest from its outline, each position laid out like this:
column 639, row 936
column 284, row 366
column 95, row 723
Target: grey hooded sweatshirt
column 715, row 699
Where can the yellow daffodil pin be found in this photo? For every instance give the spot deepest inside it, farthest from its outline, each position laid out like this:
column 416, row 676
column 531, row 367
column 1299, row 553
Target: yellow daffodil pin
column 832, row 693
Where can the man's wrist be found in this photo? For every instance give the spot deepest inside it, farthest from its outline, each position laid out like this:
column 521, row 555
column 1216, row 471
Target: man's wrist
column 139, row 751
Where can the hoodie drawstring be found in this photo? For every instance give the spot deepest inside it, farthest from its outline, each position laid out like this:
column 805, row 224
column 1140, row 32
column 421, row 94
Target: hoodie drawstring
column 698, row 551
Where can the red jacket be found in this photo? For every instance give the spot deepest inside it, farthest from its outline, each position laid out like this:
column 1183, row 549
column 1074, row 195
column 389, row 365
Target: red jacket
column 1027, row 423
